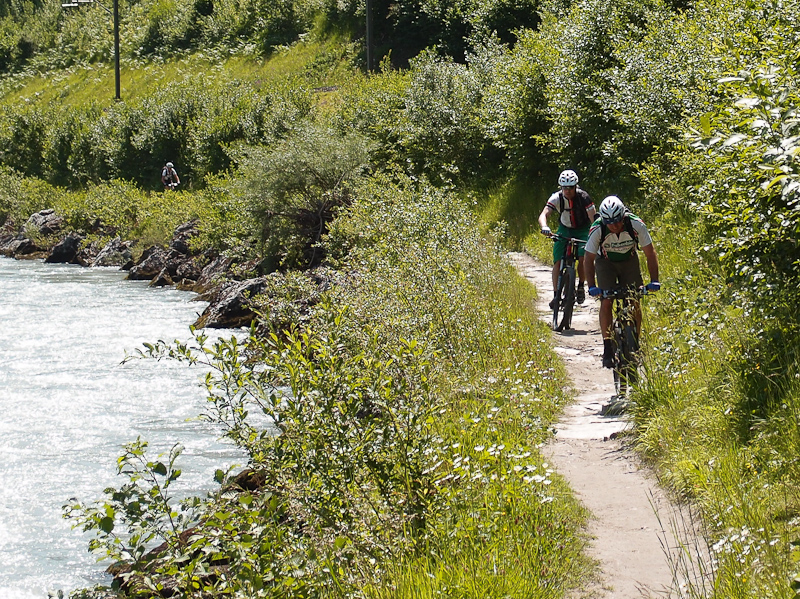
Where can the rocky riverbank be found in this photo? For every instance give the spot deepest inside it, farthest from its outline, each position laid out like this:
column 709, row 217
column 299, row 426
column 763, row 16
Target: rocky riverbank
column 235, row 299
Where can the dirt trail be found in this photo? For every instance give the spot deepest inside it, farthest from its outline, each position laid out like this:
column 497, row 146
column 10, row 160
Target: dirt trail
column 621, row 494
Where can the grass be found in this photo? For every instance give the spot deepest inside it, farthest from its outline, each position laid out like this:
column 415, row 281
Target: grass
column 316, row 63
column 517, row 203
column 719, row 420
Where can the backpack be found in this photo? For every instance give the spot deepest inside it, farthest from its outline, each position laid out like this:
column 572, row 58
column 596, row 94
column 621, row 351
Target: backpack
column 167, row 174
column 628, row 227
column 580, row 215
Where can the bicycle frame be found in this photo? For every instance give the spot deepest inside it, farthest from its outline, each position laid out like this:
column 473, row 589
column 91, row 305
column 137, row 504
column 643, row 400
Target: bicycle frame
column 625, row 337
column 564, row 295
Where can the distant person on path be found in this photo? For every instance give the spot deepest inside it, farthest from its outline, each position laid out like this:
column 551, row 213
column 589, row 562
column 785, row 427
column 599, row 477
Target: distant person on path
column 169, row 177
column 575, row 213
column 611, row 254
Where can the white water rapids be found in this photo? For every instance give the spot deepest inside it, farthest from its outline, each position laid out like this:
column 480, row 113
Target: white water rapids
column 68, row 405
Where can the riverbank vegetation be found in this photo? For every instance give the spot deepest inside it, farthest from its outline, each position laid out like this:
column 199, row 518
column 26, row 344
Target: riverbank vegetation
column 409, row 184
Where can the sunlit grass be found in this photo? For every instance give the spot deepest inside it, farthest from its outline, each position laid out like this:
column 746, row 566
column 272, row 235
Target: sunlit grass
column 720, row 427
column 317, row 63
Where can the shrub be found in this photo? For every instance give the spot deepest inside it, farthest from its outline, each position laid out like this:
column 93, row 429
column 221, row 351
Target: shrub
column 294, row 189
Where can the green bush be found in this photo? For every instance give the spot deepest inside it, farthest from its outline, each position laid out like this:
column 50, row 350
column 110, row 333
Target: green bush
column 22, row 137
column 294, row 189
column 20, row 197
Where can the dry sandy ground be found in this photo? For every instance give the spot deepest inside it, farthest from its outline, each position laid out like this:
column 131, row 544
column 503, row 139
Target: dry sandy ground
column 629, row 510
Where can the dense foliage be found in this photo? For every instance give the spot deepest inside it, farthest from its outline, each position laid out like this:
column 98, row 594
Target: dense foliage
column 687, row 110
column 407, row 438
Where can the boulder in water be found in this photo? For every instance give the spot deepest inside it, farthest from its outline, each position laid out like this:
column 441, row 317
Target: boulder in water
column 152, row 262
column 231, row 306
column 66, row 251
column 115, row 253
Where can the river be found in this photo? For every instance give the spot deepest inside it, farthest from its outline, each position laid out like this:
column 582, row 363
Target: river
column 68, row 405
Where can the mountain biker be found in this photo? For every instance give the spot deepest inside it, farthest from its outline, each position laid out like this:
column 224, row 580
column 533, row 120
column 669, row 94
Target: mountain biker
column 611, row 253
column 576, row 212
column 169, row 176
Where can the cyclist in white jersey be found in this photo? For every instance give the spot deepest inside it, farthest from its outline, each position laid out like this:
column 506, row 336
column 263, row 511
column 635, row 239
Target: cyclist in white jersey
column 611, row 255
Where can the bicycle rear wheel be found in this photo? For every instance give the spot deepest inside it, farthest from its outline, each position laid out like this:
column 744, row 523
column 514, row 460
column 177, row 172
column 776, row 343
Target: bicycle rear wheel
column 564, row 300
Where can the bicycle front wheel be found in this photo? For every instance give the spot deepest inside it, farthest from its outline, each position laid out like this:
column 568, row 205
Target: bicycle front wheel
column 564, row 300
column 620, row 385
column 630, row 355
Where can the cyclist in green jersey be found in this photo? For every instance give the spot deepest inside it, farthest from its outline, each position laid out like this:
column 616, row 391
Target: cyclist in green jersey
column 611, row 255
column 575, row 213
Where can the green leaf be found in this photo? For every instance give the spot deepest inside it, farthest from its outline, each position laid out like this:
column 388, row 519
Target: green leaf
column 778, row 179
column 734, row 139
column 340, row 542
column 106, row 524
column 705, row 125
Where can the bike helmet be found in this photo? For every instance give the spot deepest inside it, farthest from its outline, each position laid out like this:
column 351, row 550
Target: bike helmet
column 612, row 210
column 170, row 165
column 568, row 178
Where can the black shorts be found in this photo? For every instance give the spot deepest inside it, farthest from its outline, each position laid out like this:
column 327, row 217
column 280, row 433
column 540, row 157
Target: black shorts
column 618, row 275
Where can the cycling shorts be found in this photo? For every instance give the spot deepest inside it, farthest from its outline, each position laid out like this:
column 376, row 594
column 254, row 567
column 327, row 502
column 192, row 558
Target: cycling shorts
column 559, row 245
column 612, row 275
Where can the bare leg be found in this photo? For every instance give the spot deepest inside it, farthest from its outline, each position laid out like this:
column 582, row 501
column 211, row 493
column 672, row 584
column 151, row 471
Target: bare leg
column 581, row 277
column 605, row 318
column 555, row 275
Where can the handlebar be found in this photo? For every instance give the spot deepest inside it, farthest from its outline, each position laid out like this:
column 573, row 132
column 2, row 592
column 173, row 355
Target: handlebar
column 555, row 236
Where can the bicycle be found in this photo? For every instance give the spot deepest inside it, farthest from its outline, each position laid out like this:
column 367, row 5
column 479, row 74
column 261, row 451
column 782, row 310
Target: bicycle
column 625, row 337
column 564, row 295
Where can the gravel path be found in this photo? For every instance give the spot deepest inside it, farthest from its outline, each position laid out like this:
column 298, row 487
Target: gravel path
column 630, row 511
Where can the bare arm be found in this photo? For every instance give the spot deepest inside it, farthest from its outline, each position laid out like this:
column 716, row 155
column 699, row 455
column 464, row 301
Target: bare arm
column 588, row 268
column 546, row 211
column 591, row 212
column 652, row 261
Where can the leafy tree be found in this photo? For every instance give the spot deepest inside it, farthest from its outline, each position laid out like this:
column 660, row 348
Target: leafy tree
column 578, row 53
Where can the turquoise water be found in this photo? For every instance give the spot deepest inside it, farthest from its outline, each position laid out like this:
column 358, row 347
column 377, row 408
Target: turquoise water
column 67, row 405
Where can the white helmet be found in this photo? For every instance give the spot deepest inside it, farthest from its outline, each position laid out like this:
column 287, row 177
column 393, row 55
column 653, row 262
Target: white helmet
column 568, row 178
column 170, row 165
column 612, row 210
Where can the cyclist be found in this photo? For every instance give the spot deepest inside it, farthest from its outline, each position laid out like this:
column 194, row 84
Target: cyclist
column 611, row 253
column 169, row 176
column 575, row 213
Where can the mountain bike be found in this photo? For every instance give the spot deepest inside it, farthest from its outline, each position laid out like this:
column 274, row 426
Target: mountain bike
column 625, row 337
column 564, row 296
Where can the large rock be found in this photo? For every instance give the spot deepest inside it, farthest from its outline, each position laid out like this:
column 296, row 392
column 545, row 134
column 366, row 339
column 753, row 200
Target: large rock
column 115, row 253
column 188, row 272
column 182, row 236
column 162, row 279
column 231, row 306
column 66, row 251
column 175, row 263
column 151, row 263
column 19, row 246
column 87, row 254
column 212, row 276
column 45, row 222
